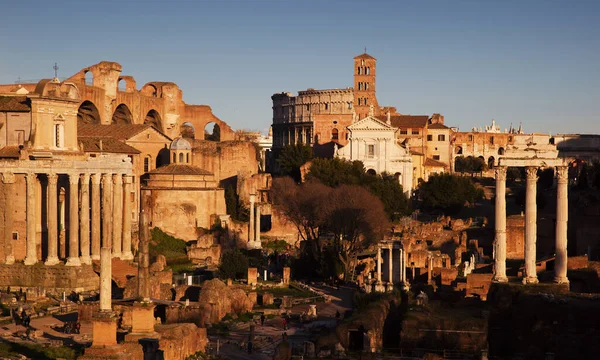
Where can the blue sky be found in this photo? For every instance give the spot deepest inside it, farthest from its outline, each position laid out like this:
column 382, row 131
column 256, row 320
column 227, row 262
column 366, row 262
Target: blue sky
column 535, row 62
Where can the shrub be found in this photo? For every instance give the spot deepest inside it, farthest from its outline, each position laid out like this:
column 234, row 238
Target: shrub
column 234, row 265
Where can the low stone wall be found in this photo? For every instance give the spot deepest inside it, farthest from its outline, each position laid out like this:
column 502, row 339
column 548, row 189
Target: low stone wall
column 177, row 313
column 479, row 284
column 57, row 278
column 178, row 341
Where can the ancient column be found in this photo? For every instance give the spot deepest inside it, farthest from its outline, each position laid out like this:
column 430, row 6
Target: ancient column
column 429, row 269
column 117, row 223
column 251, row 231
column 73, row 259
column 127, row 254
column 562, row 216
column 401, row 263
column 500, row 226
column 9, row 190
column 96, row 216
column 390, row 265
column 257, row 225
column 31, row 257
column 84, row 220
column 530, row 276
column 107, row 210
column 378, row 263
column 52, row 220
column 105, row 279
column 144, row 258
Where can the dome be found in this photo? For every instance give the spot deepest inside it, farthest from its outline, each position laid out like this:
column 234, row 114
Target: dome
column 180, row 144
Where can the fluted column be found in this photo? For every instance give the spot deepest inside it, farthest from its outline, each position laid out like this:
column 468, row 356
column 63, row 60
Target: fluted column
column 530, row 276
column 378, row 263
column 127, row 254
column 562, row 217
column 107, row 210
column 96, row 202
column 9, row 190
column 500, row 226
column 105, row 279
column 390, row 266
column 117, row 215
column 84, row 220
column 31, row 255
column 251, row 231
column 401, row 263
column 52, row 217
column 257, row 225
column 73, row 259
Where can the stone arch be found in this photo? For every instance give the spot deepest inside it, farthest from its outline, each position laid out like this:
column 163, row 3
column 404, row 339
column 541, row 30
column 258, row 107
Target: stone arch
column 335, row 134
column 122, row 115
column 490, row 162
column 162, row 158
column 371, row 172
column 188, row 130
column 153, row 119
column 150, row 90
column 88, row 113
column 215, row 134
column 501, row 151
column 88, row 77
column 122, row 85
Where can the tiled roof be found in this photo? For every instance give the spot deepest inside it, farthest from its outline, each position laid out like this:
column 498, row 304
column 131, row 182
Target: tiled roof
column 117, row 131
column 364, row 56
column 106, row 145
column 437, row 126
column 415, row 152
column 434, row 163
column 406, row 121
column 9, row 152
column 15, row 103
column 180, row 169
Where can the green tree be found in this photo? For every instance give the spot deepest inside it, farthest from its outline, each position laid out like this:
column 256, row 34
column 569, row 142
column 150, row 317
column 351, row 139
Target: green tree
column 292, row 157
column 448, row 193
column 234, row 206
column 234, row 265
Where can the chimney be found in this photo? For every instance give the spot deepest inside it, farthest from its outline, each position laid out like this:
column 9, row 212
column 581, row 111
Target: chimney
column 100, row 144
column 389, row 118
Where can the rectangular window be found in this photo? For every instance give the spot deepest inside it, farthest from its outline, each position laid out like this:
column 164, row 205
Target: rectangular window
column 15, row 235
column 470, row 137
column 403, row 132
column 492, row 140
column 415, row 132
column 326, row 106
column 20, row 137
column 436, row 157
column 146, row 165
column 371, row 151
column 429, row 137
column 441, row 137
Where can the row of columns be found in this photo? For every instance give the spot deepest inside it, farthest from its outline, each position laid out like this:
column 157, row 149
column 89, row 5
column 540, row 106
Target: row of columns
column 402, row 263
column 297, row 135
column 562, row 209
column 110, row 193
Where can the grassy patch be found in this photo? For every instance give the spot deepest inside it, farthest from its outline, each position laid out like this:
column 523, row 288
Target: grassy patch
column 181, row 265
column 286, row 291
column 169, row 246
column 33, row 351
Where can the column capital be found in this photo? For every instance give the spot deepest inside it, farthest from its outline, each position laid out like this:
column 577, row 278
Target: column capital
column 117, row 179
column 52, row 178
column 8, row 178
column 85, row 179
column 96, row 179
column 252, row 198
column 30, row 177
column 531, row 173
column 128, row 179
column 106, row 179
column 562, row 174
column 500, row 172
column 74, row 178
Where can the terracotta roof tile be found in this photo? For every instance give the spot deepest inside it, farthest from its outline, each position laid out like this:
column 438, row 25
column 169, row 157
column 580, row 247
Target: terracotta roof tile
column 437, row 126
column 120, row 131
column 434, row 163
column 9, row 152
column 406, row 121
column 180, row 169
column 106, row 145
column 15, row 103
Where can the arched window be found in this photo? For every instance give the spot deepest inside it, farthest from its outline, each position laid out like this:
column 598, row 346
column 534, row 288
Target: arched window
column 174, row 158
column 334, row 134
column 147, row 164
column 368, row 70
column 181, row 157
column 187, row 158
column 359, row 70
column 366, row 86
column 59, row 136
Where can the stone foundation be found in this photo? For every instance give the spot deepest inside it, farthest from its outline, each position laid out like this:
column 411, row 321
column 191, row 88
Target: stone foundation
column 56, row 278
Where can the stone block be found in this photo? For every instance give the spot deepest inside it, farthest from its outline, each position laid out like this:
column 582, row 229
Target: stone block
column 252, row 296
column 479, row 284
column 286, row 275
column 447, row 276
column 267, row 299
column 104, row 329
column 142, row 318
column 287, row 302
column 252, row 276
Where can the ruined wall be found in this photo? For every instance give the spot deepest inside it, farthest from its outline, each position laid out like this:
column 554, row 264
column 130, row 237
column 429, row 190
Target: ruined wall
column 225, row 159
column 18, row 201
column 515, row 237
column 57, row 278
column 479, row 285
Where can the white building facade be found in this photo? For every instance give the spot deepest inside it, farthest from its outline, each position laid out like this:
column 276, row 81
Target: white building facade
column 374, row 143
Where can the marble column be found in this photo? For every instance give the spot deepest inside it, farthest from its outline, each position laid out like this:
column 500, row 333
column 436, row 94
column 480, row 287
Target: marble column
column 52, row 217
column 107, row 210
column 127, row 254
column 378, row 264
column 117, row 228
column 257, row 224
column 105, row 279
column 530, row 276
column 84, row 220
column 562, row 217
column 31, row 254
column 251, row 231
column 390, row 265
column 500, row 226
column 9, row 190
column 144, row 259
column 73, row 259
column 96, row 216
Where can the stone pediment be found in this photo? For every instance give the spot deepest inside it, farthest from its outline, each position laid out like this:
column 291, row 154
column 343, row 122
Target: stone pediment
column 370, row 123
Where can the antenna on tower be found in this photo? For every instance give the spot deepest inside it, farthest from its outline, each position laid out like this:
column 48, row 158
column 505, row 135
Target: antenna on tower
column 55, row 67
column 365, row 49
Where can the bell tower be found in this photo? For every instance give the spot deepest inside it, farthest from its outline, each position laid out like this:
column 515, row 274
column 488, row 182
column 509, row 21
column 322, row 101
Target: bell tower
column 365, row 69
